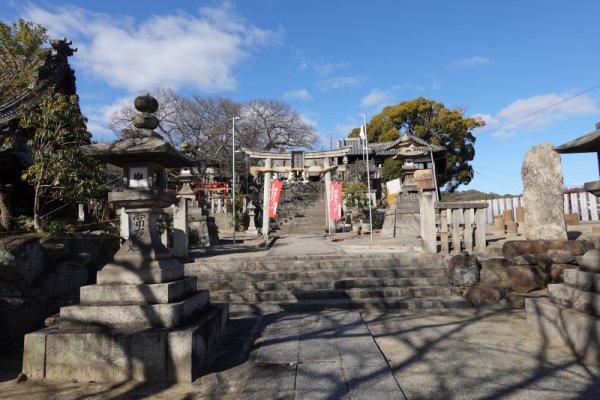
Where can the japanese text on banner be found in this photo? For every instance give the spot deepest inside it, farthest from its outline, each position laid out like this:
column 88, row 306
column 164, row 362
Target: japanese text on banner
column 335, row 201
column 274, row 195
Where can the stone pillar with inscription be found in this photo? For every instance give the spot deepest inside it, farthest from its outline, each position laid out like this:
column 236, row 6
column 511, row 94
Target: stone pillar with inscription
column 143, row 320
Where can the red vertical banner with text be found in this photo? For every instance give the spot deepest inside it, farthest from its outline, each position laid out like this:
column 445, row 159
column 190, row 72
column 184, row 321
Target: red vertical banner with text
column 335, row 201
column 274, row 195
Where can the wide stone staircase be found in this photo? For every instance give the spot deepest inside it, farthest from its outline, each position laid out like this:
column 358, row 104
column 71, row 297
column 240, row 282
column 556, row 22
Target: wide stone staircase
column 302, row 209
column 318, row 282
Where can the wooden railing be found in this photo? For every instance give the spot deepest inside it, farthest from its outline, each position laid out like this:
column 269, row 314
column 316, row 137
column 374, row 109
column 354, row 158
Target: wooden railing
column 459, row 226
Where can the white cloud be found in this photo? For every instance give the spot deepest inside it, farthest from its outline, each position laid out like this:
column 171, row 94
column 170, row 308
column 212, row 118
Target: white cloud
column 475, row 61
column 377, row 98
column 300, row 94
column 337, row 83
column 164, row 51
column 537, row 113
column 98, row 118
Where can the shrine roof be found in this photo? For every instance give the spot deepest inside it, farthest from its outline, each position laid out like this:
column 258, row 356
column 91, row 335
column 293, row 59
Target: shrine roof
column 588, row 143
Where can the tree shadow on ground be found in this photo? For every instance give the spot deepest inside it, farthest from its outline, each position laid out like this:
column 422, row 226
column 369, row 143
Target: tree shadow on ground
column 481, row 354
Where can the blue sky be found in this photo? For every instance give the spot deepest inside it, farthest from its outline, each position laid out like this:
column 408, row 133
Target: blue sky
column 333, row 60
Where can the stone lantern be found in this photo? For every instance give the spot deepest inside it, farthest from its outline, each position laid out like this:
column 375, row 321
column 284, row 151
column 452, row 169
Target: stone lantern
column 143, row 319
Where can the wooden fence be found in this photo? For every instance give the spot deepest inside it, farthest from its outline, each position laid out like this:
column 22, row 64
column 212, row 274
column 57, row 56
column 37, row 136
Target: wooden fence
column 458, row 226
column 584, row 204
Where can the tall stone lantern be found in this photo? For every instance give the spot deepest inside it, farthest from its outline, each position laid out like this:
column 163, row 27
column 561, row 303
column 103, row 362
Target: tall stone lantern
column 143, row 319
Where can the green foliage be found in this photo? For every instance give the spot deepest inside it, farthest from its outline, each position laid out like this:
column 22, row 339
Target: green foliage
column 436, row 124
column 355, row 198
column 59, row 170
column 391, row 169
column 21, row 55
column 23, row 223
column 239, row 215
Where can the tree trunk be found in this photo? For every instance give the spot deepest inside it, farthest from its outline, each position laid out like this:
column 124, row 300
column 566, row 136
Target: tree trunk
column 37, row 224
column 6, row 192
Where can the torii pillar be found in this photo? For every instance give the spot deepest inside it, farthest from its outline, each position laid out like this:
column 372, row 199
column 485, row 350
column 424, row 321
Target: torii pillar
column 266, row 195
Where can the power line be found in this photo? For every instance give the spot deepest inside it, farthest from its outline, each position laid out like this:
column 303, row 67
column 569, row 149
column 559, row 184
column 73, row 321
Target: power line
column 493, row 170
column 538, row 111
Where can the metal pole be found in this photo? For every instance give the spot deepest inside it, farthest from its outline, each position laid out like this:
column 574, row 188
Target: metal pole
column 368, row 177
column 233, row 177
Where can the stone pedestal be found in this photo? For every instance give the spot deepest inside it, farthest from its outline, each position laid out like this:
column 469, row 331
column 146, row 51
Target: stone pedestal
column 571, row 314
column 143, row 320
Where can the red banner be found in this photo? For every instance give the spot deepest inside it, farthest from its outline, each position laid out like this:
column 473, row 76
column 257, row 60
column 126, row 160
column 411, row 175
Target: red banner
column 276, row 186
column 335, row 201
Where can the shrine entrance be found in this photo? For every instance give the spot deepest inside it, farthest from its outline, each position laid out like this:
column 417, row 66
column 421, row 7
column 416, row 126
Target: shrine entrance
column 295, row 167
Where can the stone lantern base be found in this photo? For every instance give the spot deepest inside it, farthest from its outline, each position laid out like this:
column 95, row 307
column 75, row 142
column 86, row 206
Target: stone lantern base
column 167, row 355
column 143, row 320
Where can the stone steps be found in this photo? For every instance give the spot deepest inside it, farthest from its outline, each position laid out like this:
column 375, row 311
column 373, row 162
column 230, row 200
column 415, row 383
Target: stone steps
column 317, row 282
column 332, row 294
column 274, row 285
column 283, row 263
column 580, row 300
column 425, row 303
column 332, row 274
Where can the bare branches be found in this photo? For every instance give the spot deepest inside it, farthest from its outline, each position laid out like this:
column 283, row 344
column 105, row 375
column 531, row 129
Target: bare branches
column 205, row 123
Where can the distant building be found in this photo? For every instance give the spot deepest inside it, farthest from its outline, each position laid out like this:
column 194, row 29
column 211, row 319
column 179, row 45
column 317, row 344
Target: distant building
column 411, row 150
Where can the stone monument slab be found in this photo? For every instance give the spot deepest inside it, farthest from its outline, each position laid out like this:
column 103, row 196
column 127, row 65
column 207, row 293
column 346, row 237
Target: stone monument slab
column 543, row 194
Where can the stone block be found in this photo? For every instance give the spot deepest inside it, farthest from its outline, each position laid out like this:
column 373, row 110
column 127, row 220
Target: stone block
column 65, row 281
column 566, row 296
column 21, row 259
column 517, row 300
column 590, row 242
column 34, row 355
column 135, row 273
column 156, row 355
column 557, row 272
column 482, row 294
column 514, row 248
column 582, row 280
column 571, row 219
column 596, row 230
column 463, row 270
column 561, row 256
column 157, row 293
column 590, row 261
column 499, row 225
column 135, row 316
column 525, row 278
column 512, row 228
column 493, row 271
column 578, row 332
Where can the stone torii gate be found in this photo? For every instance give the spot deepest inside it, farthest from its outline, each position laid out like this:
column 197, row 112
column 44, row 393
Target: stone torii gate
column 297, row 164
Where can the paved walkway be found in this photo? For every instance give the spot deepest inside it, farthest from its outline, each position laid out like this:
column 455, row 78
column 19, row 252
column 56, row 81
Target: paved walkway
column 329, row 355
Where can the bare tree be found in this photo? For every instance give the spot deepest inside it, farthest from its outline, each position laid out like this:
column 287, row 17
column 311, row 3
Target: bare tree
column 205, row 123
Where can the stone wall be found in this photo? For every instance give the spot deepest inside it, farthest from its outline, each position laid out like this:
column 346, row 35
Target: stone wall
column 40, row 274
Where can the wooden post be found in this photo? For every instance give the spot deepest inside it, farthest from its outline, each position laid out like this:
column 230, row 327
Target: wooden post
column 584, row 206
column 445, row 245
column 480, row 242
column 468, row 232
column 456, row 231
column 593, row 207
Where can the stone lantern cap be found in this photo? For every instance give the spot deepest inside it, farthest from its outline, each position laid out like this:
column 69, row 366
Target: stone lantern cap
column 144, row 155
column 137, row 149
column 140, row 144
